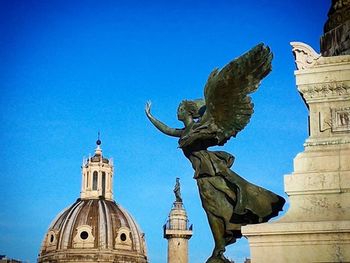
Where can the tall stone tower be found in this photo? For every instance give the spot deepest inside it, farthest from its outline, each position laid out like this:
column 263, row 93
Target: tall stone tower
column 177, row 230
column 316, row 227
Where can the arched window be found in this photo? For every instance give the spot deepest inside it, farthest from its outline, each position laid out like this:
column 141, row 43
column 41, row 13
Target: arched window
column 94, row 181
column 103, row 183
column 87, row 179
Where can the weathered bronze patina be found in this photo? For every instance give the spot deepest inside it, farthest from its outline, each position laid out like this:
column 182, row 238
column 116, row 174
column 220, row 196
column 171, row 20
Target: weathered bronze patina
column 336, row 38
column 228, row 200
column 177, row 191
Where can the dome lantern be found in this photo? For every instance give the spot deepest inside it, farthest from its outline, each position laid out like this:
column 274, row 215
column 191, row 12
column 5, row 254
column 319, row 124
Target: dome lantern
column 97, row 176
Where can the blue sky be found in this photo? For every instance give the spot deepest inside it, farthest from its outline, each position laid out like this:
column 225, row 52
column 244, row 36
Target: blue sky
column 69, row 69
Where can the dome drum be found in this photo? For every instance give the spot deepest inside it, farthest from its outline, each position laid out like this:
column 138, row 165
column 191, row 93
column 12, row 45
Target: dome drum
column 92, row 255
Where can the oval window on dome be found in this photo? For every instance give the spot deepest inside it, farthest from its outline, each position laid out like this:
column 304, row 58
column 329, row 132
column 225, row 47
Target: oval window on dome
column 84, row 235
column 123, row 237
column 52, row 238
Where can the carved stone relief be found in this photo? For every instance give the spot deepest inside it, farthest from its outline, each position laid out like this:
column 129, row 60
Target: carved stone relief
column 341, row 120
column 305, row 56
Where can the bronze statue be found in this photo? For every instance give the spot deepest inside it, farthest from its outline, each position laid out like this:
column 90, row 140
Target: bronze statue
column 335, row 40
column 228, row 200
column 177, row 191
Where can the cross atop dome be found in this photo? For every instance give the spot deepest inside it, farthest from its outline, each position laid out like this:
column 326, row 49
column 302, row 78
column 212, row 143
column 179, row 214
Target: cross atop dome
column 98, row 142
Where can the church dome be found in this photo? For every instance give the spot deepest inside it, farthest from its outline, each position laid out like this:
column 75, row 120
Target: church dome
column 95, row 228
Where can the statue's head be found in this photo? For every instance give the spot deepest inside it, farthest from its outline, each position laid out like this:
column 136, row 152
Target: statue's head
column 193, row 108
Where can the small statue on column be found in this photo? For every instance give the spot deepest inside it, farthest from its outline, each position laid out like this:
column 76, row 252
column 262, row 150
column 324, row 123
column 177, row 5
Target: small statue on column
column 177, row 191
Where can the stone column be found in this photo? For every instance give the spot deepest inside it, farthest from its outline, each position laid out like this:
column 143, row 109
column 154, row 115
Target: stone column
column 177, row 232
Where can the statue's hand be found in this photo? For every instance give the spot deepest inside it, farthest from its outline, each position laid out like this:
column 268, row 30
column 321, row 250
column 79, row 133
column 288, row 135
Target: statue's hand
column 159, row 125
column 148, row 108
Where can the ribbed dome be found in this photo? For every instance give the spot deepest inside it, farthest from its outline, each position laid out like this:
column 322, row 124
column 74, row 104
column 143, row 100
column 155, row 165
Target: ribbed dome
column 94, row 230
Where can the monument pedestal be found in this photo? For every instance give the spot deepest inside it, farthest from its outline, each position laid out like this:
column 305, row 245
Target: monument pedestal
column 299, row 242
column 316, row 227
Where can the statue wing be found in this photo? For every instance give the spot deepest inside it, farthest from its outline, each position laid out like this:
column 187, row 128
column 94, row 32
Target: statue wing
column 228, row 107
column 227, row 91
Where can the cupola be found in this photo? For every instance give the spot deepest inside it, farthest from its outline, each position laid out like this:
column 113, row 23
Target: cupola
column 97, row 176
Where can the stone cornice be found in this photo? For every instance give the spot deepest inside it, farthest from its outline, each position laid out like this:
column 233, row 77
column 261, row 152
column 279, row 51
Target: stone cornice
column 320, row 78
column 321, row 90
column 332, row 60
column 310, row 143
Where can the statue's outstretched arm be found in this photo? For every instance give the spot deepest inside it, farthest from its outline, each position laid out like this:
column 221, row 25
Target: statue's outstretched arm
column 161, row 126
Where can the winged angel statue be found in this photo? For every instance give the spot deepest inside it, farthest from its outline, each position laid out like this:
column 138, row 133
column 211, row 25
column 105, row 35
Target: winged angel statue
column 228, row 200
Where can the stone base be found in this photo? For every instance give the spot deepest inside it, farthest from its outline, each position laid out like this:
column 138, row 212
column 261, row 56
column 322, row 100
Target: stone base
column 299, row 242
column 316, row 227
